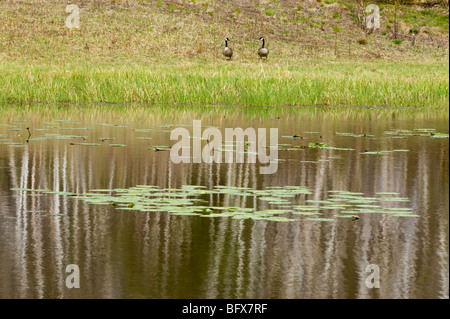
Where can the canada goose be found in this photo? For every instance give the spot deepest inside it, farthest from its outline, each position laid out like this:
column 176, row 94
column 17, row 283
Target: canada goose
column 227, row 51
column 263, row 52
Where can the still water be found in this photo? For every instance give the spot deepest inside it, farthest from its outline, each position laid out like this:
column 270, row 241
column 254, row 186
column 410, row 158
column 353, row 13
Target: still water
column 156, row 254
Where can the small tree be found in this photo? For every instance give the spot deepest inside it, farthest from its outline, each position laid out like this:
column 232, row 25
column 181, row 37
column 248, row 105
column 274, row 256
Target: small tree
column 336, row 30
column 360, row 13
column 397, row 5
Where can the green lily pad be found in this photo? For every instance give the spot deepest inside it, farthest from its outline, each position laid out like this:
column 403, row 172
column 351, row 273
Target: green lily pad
column 321, row 219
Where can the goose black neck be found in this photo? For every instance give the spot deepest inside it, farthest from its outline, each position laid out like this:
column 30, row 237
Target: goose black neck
column 226, row 43
column 264, row 41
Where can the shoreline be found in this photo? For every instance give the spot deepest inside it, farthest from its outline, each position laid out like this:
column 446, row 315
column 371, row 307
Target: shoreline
column 289, row 84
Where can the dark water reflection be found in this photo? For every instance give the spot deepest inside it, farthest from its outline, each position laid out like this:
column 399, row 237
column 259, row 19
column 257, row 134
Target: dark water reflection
column 123, row 254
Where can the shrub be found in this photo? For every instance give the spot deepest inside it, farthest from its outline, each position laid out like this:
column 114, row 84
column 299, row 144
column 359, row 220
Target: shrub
column 362, row 41
column 270, row 12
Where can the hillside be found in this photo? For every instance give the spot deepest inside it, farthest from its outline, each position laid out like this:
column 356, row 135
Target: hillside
column 169, row 52
column 144, row 31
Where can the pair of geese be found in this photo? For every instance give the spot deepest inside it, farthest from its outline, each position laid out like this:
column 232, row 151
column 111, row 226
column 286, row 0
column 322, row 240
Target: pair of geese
column 263, row 52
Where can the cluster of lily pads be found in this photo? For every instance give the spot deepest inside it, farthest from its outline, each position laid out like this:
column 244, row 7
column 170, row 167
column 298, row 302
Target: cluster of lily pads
column 278, row 203
column 427, row 132
column 81, row 140
column 354, row 135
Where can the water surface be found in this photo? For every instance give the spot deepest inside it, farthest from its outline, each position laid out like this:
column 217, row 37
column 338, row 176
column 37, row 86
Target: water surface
column 137, row 254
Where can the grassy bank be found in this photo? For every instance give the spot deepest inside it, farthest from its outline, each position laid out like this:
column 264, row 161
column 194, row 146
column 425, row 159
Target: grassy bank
column 259, row 84
column 169, row 52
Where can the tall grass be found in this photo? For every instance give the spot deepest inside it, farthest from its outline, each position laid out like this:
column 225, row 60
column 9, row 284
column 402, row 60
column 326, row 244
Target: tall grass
column 259, row 84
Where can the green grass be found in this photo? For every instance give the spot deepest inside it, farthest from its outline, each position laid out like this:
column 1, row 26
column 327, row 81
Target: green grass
column 170, row 52
column 435, row 17
column 376, row 83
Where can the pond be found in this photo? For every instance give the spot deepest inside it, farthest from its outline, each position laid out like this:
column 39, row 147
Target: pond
column 358, row 206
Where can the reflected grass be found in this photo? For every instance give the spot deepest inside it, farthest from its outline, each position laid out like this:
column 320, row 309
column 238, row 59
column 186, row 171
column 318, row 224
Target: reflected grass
column 123, row 114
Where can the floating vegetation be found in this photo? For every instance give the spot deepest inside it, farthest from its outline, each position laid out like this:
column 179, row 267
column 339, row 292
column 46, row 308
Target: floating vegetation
column 376, row 152
column 439, row 135
column 427, row 132
column 319, row 201
column 86, row 144
column 46, row 137
column 317, row 145
column 337, row 148
column 295, row 137
column 218, row 215
column 306, row 213
column 13, row 143
column 149, row 130
column 75, row 128
column 311, row 145
column 382, row 152
column 276, row 203
column 280, row 219
column 393, row 199
column 321, row 219
column 29, row 189
column 353, row 217
column 353, row 135
column 159, row 148
column 60, row 193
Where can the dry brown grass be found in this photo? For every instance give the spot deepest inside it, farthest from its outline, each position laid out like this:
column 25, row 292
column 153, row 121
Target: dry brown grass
column 163, row 31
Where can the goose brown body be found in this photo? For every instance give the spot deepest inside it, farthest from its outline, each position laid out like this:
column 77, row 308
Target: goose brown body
column 227, row 51
column 263, row 52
